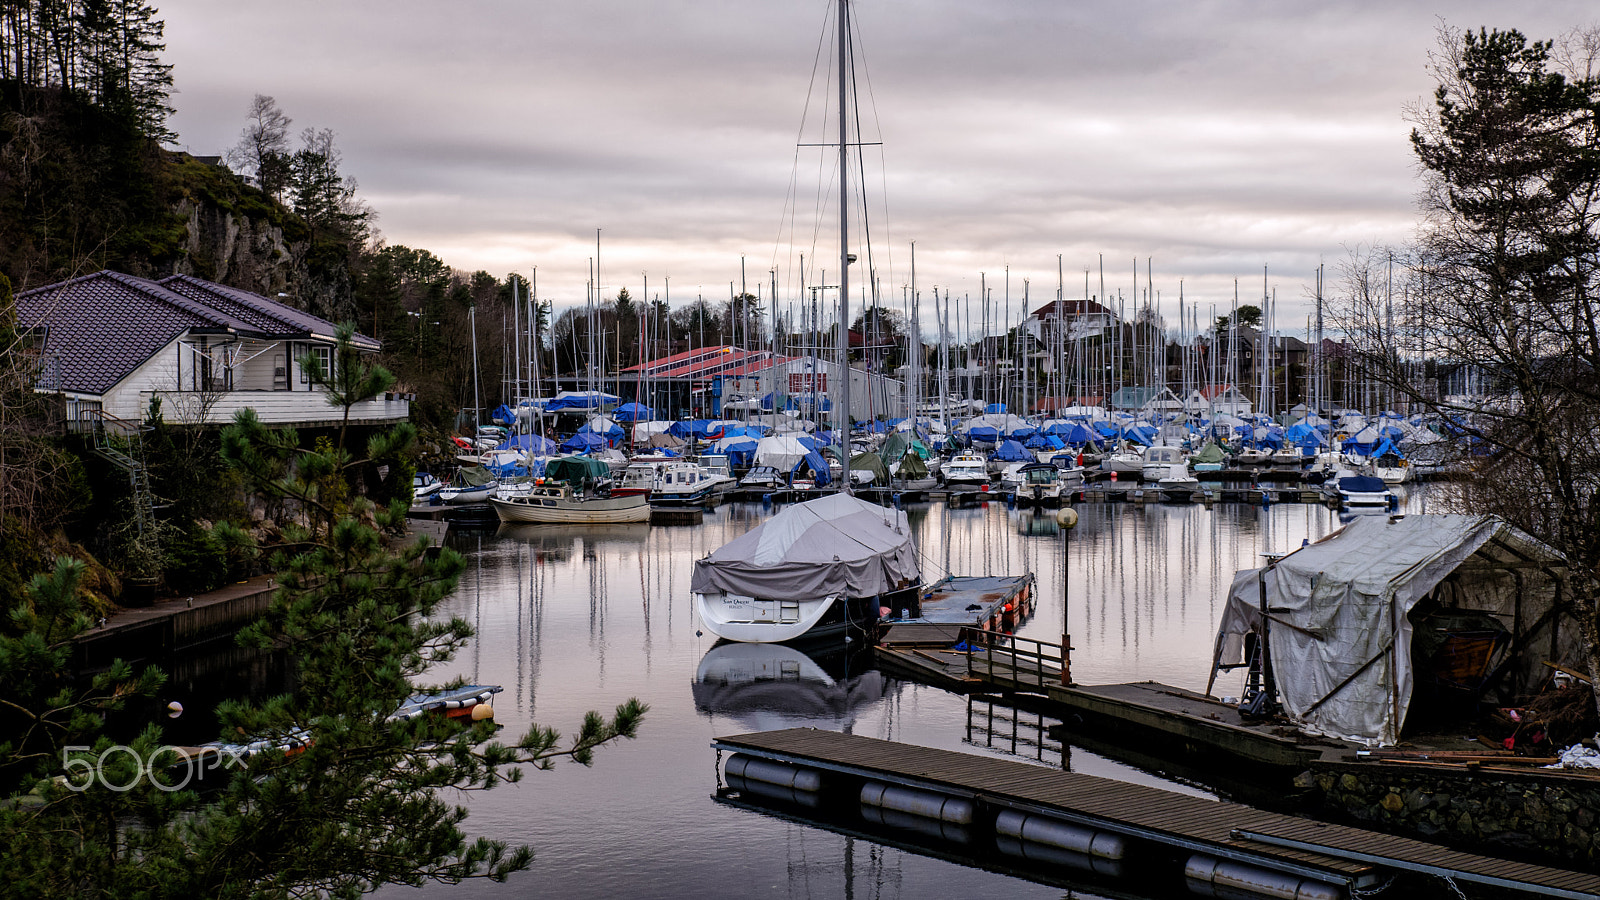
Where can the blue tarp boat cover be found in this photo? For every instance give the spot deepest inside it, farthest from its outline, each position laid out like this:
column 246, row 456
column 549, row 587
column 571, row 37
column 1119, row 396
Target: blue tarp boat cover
column 1013, row 451
column 529, row 443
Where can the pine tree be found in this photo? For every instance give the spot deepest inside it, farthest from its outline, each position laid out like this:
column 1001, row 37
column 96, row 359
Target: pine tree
column 360, row 807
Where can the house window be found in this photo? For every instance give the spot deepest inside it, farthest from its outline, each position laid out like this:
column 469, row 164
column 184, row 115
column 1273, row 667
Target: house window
column 321, row 363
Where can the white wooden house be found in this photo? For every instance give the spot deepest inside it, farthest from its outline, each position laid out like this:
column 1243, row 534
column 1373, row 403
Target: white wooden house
column 111, row 342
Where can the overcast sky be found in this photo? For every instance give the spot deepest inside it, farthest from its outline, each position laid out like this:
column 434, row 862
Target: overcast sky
column 1210, row 138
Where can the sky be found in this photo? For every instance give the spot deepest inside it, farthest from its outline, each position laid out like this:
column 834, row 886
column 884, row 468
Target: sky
column 1214, row 144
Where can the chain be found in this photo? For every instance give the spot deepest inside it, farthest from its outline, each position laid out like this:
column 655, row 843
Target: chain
column 1359, row 894
column 1453, row 886
column 718, row 768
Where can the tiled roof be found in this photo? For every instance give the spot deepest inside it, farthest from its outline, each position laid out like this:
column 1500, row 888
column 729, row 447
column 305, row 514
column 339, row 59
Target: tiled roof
column 103, row 326
column 269, row 316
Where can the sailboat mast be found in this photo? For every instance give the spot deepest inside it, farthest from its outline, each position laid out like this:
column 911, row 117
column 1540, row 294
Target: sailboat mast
column 844, row 243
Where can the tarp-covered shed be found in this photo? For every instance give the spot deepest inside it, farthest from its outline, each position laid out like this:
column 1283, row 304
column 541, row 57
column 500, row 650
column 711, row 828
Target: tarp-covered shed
column 1343, row 618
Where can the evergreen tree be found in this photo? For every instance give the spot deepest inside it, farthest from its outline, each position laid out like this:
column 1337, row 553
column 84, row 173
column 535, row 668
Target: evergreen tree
column 361, row 806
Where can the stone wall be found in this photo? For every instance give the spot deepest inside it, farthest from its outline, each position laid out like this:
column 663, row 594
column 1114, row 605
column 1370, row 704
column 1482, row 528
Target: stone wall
column 1546, row 813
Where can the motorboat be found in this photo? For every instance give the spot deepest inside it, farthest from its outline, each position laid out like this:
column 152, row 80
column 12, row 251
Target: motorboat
column 1159, row 458
column 1177, row 485
column 554, row 502
column 1358, row 491
column 1254, row 456
column 817, row 570
column 1208, row 458
column 424, row 486
column 1288, row 456
column 1392, row 468
column 966, row 470
column 1039, row 485
column 1011, row 477
column 762, row 478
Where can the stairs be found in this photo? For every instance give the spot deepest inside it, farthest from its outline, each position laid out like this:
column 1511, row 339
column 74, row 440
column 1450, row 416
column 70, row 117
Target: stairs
column 121, row 442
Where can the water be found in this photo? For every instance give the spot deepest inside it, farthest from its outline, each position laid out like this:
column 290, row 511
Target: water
column 580, row 618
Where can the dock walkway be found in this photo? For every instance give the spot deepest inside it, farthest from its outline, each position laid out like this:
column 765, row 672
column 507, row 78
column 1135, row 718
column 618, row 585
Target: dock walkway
column 1351, row 858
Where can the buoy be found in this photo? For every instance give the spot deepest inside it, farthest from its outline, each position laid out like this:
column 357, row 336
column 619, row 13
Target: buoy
column 1113, row 475
column 482, row 711
column 174, row 709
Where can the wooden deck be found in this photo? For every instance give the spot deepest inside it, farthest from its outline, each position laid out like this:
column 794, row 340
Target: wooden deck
column 1336, row 854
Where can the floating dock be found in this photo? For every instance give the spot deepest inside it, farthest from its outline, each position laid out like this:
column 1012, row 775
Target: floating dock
column 1065, row 821
column 989, row 602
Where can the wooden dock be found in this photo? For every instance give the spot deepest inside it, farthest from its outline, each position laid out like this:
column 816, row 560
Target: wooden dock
column 967, row 798
column 967, row 661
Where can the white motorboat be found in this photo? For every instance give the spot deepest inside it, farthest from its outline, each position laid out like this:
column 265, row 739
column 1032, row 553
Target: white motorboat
column 1159, row 458
column 1039, row 484
column 1011, row 477
column 1363, row 491
column 1178, row 485
column 816, row 570
column 554, row 502
column 966, row 470
column 424, row 486
column 666, row 482
column 1392, row 468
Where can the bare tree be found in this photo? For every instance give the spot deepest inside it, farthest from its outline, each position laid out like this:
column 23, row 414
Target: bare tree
column 1494, row 325
column 263, row 148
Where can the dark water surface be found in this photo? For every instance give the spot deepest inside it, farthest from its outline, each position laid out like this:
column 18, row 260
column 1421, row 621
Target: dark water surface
column 577, row 618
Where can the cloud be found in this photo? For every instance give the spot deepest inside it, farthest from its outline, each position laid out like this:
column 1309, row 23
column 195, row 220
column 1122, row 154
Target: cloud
column 1213, row 138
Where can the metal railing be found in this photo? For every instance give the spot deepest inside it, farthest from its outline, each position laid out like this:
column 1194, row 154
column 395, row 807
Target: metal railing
column 122, row 442
column 1013, row 663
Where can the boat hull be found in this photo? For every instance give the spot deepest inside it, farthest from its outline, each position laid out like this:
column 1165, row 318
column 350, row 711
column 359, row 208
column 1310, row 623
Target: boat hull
column 753, row 620
column 601, row 511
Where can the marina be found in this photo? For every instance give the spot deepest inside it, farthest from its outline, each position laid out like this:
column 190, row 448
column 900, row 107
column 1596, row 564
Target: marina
column 576, row 618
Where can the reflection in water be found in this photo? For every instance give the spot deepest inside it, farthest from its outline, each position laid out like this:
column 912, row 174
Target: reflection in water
column 770, row 686
column 573, row 618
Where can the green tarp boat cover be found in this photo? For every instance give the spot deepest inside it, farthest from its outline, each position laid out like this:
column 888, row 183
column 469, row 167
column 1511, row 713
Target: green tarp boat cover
column 575, row 470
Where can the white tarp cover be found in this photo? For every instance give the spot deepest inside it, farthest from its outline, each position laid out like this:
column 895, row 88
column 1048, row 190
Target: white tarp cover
column 831, row 545
column 1336, row 606
column 781, row 451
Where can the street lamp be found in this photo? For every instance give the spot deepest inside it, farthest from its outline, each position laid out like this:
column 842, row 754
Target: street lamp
column 1066, row 520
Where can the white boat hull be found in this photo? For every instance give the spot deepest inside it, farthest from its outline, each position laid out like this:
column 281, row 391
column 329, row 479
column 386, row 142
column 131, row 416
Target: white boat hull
column 736, row 617
column 601, row 511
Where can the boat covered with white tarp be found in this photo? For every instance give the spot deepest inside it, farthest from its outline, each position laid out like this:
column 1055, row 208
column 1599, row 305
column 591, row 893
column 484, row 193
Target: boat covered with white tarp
column 819, row 568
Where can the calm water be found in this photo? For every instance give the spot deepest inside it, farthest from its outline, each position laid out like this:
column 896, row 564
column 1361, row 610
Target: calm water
column 572, row 619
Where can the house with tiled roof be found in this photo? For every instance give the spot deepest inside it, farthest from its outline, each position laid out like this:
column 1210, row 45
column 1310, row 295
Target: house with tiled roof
column 111, row 342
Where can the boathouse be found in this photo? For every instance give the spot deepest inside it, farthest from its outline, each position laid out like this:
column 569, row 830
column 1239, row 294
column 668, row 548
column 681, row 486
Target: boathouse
column 1395, row 611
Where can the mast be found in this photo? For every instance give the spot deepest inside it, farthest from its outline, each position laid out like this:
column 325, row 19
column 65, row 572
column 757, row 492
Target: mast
column 844, row 243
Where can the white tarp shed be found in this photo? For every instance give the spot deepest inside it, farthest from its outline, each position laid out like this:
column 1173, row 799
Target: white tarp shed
column 1341, row 614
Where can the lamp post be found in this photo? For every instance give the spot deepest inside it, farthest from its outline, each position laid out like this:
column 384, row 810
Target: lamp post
column 1066, row 520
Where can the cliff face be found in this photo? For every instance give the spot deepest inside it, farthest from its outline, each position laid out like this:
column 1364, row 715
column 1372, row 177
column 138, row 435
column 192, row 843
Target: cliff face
column 222, row 246
column 234, row 234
